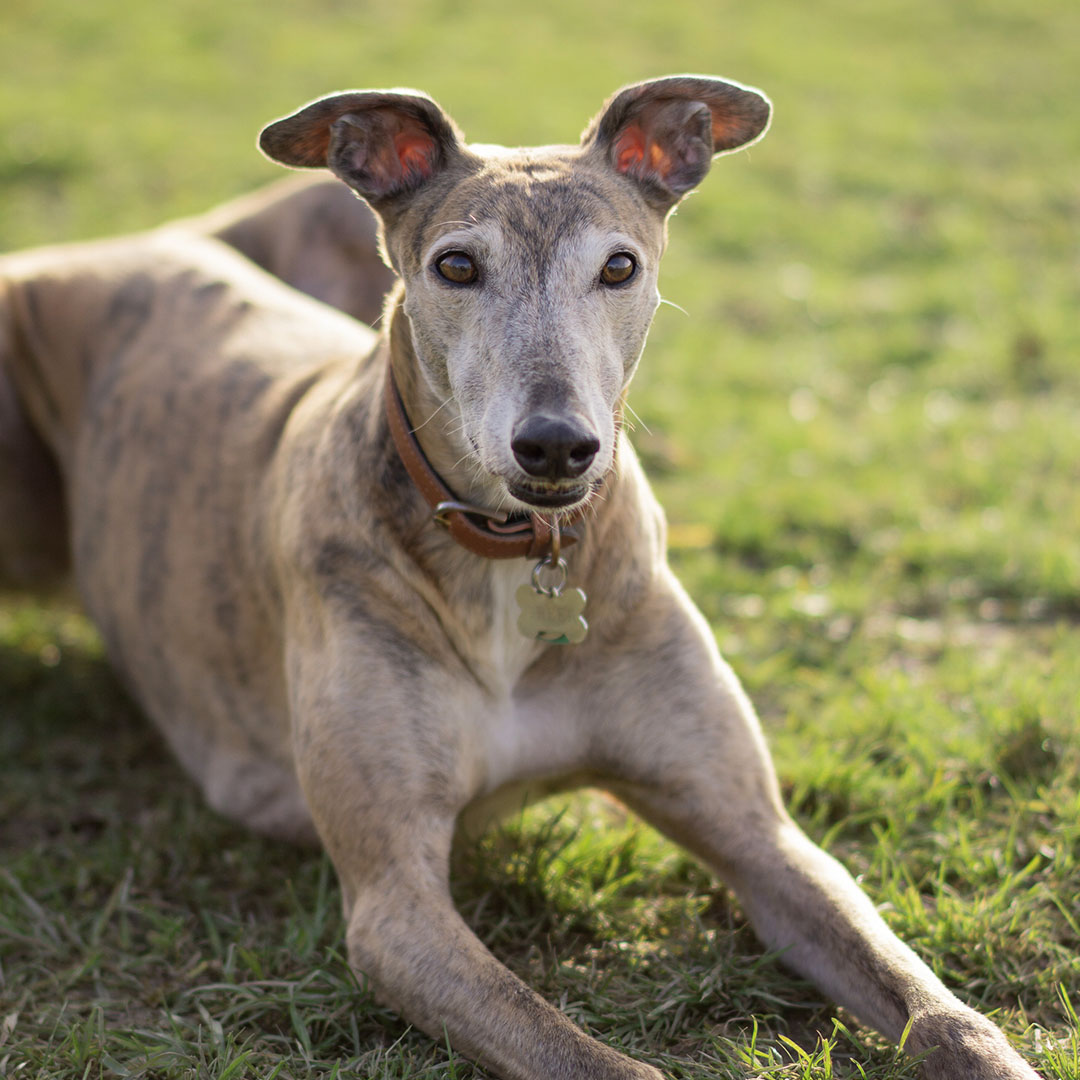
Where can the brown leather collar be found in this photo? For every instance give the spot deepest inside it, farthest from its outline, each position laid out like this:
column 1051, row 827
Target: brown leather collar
column 492, row 534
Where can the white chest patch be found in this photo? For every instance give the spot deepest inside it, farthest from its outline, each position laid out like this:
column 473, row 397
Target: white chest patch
column 510, row 651
column 523, row 736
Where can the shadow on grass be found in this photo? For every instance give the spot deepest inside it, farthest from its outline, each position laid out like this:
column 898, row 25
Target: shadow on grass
column 75, row 755
column 85, row 776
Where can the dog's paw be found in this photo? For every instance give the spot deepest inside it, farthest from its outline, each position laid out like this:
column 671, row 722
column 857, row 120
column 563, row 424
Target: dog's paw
column 966, row 1046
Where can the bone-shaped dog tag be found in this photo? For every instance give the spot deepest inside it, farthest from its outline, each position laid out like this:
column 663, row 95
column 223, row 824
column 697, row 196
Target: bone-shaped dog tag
column 553, row 617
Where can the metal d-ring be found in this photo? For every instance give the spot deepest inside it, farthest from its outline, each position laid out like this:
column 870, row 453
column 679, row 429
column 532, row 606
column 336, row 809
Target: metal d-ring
column 556, row 567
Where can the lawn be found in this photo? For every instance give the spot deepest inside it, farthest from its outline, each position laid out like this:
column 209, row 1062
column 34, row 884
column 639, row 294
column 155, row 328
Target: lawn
column 863, row 418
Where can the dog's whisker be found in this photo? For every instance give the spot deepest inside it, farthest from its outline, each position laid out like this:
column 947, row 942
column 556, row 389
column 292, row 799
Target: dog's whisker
column 434, row 414
column 465, row 457
column 671, row 303
column 633, row 412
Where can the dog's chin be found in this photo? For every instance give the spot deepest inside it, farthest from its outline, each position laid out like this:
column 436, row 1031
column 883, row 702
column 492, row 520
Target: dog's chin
column 541, row 498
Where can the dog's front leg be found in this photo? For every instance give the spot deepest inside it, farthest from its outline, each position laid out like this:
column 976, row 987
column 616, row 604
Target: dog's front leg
column 387, row 752
column 684, row 749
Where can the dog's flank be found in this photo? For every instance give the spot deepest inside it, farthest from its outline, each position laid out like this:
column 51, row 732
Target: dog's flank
column 324, row 658
column 311, row 232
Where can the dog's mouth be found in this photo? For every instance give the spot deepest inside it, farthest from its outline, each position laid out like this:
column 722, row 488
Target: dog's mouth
column 549, row 496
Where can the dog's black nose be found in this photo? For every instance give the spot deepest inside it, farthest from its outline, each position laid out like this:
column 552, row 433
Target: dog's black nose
column 553, row 449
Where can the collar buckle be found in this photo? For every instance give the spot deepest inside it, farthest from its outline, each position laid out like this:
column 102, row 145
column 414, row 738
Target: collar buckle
column 442, row 510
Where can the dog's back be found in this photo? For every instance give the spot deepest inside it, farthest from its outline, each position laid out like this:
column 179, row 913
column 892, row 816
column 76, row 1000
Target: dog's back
column 310, row 232
column 314, row 234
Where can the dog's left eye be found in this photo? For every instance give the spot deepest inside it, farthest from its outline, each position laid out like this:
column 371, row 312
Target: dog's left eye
column 618, row 269
column 457, row 268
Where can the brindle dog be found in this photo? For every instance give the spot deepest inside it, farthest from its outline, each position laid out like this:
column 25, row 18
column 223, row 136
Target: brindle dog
column 253, row 530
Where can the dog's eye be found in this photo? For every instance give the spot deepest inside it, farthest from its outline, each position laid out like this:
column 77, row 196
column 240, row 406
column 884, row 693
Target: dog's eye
column 618, row 269
column 457, row 267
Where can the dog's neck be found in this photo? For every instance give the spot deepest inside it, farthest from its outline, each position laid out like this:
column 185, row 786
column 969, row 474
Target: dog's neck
column 435, row 422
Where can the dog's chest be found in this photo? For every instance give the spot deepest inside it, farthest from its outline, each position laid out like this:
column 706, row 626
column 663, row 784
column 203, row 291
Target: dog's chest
column 525, row 727
column 506, row 651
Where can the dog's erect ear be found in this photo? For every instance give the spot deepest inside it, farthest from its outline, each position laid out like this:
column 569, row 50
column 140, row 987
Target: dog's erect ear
column 382, row 143
column 664, row 133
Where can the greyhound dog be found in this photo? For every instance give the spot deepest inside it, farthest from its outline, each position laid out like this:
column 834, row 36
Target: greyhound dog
column 374, row 589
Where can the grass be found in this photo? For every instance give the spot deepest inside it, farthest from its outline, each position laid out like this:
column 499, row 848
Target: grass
column 865, row 436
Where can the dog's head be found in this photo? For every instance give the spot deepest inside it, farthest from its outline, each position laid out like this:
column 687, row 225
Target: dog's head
column 530, row 275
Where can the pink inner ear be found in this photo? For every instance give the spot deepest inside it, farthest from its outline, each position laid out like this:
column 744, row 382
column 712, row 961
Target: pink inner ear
column 637, row 156
column 416, row 153
column 629, row 149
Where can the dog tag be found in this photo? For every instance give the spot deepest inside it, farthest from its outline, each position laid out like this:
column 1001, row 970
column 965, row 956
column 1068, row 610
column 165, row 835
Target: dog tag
column 552, row 615
column 556, row 619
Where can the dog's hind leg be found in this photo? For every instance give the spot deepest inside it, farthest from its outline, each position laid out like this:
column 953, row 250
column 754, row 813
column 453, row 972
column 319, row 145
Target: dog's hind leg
column 33, row 516
column 683, row 748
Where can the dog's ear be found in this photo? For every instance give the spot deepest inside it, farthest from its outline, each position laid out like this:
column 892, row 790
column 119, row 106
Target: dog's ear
column 663, row 134
column 382, row 143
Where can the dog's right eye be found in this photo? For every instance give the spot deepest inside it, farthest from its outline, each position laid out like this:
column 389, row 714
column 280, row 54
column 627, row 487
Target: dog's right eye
column 618, row 269
column 457, row 268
